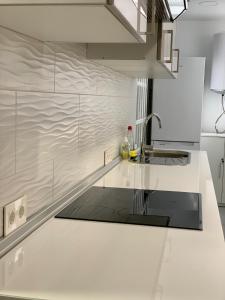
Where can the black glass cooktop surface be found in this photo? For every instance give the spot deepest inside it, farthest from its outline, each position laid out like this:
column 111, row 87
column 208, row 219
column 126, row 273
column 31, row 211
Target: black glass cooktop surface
column 140, row 207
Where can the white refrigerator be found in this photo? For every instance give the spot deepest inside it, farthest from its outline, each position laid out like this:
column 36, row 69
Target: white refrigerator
column 179, row 103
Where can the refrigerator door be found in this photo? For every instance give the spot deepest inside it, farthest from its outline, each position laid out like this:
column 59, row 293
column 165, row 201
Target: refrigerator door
column 179, row 103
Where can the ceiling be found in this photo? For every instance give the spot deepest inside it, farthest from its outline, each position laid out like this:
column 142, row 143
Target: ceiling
column 205, row 10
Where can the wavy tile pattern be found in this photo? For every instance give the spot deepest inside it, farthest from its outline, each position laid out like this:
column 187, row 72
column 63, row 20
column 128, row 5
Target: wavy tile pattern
column 7, row 155
column 7, row 112
column 71, row 49
column 26, row 64
column 69, row 170
column 103, row 120
column 47, row 127
column 113, row 83
column 74, row 73
column 58, row 113
column 7, row 133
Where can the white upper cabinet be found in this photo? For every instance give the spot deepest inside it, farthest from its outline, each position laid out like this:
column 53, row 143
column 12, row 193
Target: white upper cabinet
column 157, row 58
column 135, row 37
column 87, row 21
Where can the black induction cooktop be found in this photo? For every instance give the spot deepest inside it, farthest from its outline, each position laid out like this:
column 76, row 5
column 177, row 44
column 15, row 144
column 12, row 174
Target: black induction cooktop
column 135, row 206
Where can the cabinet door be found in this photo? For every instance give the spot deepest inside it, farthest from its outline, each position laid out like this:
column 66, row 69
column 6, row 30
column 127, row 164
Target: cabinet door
column 215, row 150
column 134, row 12
column 79, row 21
column 166, row 42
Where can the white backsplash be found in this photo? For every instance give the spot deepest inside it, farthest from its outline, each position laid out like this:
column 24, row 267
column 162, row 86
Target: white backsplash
column 58, row 113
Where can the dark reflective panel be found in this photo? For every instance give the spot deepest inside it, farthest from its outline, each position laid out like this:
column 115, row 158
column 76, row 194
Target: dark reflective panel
column 141, row 207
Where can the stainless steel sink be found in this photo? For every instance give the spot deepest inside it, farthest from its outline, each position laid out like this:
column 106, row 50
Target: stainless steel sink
column 158, row 156
column 166, row 157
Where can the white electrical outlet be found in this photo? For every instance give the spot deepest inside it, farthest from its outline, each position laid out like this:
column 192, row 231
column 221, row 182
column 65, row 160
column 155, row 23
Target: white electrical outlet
column 109, row 154
column 15, row 215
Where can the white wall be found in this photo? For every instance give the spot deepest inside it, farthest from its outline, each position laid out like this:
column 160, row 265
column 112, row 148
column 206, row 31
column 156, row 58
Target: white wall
column 58, row 113
column 195, row 38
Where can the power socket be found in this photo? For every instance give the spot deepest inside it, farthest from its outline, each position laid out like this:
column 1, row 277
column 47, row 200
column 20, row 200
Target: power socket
column 15, row 215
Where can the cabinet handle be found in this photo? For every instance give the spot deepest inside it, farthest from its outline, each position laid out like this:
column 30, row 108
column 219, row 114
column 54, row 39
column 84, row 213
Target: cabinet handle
column 170, row 33
column 221, row 167
column 178, row 61
column 143, row 4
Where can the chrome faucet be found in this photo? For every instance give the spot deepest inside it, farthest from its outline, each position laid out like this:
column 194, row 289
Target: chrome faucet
column 144, row 146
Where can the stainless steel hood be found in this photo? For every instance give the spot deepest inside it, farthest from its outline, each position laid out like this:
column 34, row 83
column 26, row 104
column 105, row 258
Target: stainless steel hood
column 166, row 10
column 176, row 8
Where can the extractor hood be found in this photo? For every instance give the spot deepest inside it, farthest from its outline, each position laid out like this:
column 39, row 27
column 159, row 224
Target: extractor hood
column 165, row 10
column 176, row 8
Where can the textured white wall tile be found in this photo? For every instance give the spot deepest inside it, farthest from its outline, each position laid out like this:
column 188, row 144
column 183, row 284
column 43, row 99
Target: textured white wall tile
column 7, row 155
column 112, row 83
column 102, row 124
column 47, row 127
column 74, row 73
column 25, row 64
column 69, row 170
column 54, row 140
column 7, row 133
column 35, row 182
column 92, row 131
column 70, row 48
column 93, row 124
column 7, row 112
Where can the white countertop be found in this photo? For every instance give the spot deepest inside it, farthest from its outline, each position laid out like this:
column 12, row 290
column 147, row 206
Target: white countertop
column 69, row 259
